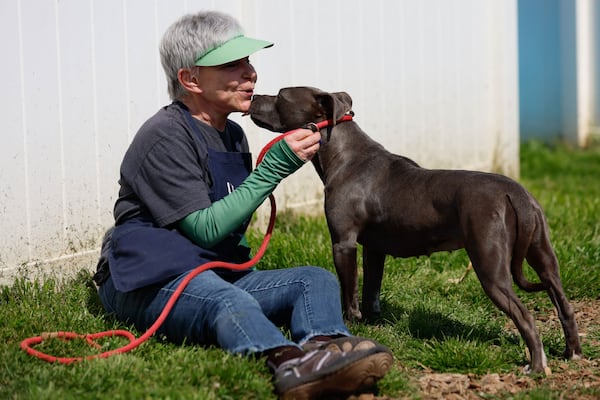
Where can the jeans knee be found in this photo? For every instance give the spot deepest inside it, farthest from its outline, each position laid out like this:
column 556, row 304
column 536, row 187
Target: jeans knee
column 234, row 302
column 321, row 277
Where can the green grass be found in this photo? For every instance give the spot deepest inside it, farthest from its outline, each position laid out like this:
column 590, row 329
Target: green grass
column 430, row 323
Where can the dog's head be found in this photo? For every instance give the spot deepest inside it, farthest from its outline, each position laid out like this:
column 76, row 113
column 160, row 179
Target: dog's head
column 294, row 107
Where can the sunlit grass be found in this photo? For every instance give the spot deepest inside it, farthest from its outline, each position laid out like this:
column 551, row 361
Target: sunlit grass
column 428, row 321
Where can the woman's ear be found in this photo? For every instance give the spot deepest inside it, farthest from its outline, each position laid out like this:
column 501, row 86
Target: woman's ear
column 188, row 80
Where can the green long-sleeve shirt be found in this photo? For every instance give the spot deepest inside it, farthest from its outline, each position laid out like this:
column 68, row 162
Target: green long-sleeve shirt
column 208, row 226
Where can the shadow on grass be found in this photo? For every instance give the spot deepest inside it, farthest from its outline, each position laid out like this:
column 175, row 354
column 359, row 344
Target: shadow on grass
column 423, row 323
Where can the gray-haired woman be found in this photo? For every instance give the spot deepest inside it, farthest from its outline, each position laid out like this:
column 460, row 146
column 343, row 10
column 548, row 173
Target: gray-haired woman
column 187, row 192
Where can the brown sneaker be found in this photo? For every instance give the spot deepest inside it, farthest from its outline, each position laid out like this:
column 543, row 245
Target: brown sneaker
column 322, row 372
column 345, row 344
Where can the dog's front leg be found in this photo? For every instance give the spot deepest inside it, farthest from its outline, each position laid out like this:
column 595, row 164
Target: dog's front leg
column 344, row 258
column 372, row 274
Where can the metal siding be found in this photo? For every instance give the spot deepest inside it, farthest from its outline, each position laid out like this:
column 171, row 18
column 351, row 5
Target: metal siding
column 539, row 69
column 76, row 120
column 558, row 69
column 595, row 70
column 43, row 136
column 433, row 80
column 112, row 127
column 13, row 162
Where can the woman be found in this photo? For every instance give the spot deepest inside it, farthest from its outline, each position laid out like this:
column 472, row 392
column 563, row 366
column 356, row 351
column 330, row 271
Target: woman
column 187, row 192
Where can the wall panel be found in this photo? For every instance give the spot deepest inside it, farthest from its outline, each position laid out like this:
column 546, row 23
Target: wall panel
column 434, row 80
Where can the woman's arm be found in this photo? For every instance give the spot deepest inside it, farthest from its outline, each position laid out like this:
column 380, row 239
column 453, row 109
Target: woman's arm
column 209, row 226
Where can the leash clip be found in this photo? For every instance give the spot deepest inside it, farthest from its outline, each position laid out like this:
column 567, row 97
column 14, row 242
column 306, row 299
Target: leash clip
column 312, row 126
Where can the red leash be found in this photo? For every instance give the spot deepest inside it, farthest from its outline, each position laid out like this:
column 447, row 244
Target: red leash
column 27, row 344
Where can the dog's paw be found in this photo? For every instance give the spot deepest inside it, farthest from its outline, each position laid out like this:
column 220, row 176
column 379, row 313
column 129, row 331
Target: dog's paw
column 572, row 355
column 528, row 371
column 545, row 369
column 353, row 315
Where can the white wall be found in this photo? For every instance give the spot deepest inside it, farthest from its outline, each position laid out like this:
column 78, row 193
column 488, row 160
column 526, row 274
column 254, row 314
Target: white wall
column 435, row 80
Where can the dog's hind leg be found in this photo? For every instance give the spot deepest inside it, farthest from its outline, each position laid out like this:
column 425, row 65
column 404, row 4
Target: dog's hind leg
column 497, row 284
column 372, row 274
column 488, row 245
column 542, row 259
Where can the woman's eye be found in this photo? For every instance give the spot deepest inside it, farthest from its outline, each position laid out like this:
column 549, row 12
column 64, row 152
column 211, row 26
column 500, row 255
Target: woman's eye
column 236, row 63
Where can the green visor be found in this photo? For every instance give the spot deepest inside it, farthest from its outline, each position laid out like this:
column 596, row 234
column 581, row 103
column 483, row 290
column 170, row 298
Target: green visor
column 234, row 49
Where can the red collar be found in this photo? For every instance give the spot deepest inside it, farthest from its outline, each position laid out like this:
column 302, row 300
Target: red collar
column 312, row 126
column 329, row 122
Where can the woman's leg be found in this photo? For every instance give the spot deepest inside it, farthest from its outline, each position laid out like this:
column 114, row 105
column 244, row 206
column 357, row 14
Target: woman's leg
column 209, row 311
column 307, row 299
column 213, row 310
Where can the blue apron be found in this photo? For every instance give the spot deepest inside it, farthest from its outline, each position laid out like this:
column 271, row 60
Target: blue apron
column 143, row 253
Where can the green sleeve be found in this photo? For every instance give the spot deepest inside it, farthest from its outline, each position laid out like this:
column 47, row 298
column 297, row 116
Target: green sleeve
column 209, row 226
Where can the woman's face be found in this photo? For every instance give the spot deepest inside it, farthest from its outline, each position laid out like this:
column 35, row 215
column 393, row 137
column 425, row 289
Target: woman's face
column 229, row 87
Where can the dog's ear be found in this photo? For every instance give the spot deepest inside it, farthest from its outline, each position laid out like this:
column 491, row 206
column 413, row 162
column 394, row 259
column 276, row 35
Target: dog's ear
column 335, row 105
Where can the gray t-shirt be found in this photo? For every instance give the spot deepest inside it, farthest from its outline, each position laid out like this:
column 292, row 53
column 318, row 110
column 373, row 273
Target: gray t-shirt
column 164, row 174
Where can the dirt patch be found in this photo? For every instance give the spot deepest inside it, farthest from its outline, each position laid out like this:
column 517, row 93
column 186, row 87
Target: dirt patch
column 572, row 383
column 575, row 379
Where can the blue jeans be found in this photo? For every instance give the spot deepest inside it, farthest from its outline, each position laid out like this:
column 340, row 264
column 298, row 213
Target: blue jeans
column 239, row 311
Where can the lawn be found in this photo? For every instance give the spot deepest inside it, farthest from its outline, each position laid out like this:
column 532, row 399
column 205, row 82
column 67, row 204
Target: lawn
column 448, row 338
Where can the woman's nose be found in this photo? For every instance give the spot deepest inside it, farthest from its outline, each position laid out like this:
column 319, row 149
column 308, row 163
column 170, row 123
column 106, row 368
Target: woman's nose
column 249, row 71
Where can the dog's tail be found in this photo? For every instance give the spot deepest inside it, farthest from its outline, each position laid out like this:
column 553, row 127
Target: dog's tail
column 526, row 227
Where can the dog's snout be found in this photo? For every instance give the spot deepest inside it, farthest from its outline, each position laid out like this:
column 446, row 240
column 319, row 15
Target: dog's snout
column 262, row 112
column 259, row 104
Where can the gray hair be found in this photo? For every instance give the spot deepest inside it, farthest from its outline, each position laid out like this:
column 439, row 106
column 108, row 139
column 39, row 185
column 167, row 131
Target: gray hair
column 188, row 38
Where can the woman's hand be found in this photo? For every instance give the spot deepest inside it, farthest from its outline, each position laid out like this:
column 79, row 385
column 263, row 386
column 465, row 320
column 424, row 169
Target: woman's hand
column 304, row 143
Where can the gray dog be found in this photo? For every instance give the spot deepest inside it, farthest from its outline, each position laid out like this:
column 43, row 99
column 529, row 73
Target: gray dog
column 390, row 205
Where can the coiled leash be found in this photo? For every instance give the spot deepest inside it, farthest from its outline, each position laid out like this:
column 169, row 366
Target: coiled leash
column 27, row 344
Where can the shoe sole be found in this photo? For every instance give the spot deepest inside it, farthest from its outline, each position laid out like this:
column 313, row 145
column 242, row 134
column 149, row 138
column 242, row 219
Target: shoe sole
column 350, row 344
column 346, row 344
column 362, row 374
